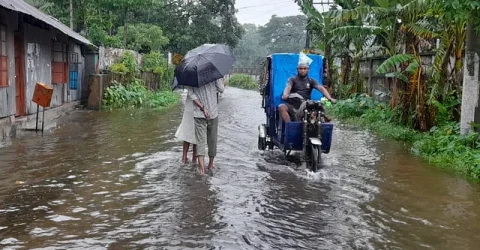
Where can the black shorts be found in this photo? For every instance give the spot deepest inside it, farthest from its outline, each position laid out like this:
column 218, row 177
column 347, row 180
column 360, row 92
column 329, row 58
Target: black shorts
column 291, row 111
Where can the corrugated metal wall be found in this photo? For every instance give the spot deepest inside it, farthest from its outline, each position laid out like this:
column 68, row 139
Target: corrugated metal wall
column 39, row 66
column 7, row 94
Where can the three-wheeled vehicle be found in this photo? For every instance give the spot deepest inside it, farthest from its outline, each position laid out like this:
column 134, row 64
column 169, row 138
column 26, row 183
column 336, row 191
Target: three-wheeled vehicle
column 312, row 134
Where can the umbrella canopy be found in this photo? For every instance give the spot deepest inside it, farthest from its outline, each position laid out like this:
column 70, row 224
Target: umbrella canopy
column 203, row 65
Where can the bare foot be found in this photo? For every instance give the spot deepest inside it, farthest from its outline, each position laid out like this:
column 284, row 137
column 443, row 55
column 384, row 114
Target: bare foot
column 185, row 160
column 202, row 170
column 211, row 166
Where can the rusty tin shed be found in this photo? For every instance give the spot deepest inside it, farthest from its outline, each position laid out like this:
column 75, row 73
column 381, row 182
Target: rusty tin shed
column 35, row 47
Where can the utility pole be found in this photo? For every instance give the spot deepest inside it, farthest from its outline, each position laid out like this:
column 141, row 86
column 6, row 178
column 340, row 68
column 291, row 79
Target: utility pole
column 470, row 91
column 308, row 36
column 307, row 41
column 71, row 14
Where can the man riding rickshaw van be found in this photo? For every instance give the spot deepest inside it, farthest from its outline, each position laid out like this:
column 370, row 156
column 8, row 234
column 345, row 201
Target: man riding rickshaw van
column 298, row 90
column 294, row 102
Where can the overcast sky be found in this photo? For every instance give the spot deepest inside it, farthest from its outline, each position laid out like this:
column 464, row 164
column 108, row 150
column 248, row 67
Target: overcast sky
column 260, row 11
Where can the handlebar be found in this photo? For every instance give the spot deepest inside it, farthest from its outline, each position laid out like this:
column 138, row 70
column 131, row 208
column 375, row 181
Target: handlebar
column 315, row 105
column 324, row 100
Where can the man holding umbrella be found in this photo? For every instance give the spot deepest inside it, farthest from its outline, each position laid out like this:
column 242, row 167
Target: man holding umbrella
column 205, row 112
column 203, row 69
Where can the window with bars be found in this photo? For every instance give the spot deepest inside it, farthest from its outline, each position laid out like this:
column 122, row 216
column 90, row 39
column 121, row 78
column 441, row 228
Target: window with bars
column 3, row 57
column 59, row 63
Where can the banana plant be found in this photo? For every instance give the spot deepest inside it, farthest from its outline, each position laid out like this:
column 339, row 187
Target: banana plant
column 320, row 27
column 360, row 42
column 337, row 41
column 414, row 76
column 451, row 31
column 382, row 19
column 445, row 22
column 388, row 18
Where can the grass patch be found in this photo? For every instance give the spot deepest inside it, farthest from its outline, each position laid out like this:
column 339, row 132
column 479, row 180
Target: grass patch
column 136, row 95
column 242, row 81
column 442, row 146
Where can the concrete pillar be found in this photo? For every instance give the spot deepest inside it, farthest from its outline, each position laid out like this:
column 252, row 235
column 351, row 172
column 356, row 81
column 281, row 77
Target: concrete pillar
column 95, row 97
column 471, row 81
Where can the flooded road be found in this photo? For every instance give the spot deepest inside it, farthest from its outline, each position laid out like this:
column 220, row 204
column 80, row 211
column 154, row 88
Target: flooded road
column 113, row 180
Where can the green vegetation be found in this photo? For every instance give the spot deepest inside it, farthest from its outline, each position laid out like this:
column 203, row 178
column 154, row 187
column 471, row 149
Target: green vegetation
column 153, row 61
column 127, row 64
column 279, row 35
column 136, row 95
column 166, row 75
column 442, row 145
column 242, row 81
column 148, row 25
column 424, row 100
column 157, row 64
column 131, row 92
column 399, row 31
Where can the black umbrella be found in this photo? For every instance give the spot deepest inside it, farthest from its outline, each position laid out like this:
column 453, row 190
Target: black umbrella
column 203, row 65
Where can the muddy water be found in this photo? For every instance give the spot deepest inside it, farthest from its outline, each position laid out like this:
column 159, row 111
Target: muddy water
column 112, row 180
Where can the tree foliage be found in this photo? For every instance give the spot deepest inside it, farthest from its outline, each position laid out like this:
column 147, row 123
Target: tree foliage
column 143, row 37
column 149, row 25
column 279, row 35
column 284, row 34
column 399, row 30
column 249, row 52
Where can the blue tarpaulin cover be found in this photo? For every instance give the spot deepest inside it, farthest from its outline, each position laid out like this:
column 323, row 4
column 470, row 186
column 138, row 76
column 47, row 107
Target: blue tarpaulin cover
column 284, row 66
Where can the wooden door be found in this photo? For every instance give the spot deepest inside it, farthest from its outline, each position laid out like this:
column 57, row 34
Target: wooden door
column 19, row 75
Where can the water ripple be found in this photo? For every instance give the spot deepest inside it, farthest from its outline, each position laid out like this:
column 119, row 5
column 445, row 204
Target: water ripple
column 113, row 180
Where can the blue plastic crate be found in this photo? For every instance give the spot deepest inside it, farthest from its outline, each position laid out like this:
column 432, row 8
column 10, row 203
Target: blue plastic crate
column 327, row 134
column 293, row 139
column 293, row 136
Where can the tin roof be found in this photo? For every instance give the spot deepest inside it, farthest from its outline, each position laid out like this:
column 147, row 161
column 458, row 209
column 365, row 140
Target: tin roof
column 27, row 9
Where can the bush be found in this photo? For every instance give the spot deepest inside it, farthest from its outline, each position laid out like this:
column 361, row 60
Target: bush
column 442, row 145
column 135, row 95
column 163, row 99
column 156, row 63
column 356, row 106
column 129, row 60
column 119, row 68
column 113, row 41
column 127, row 65
column 363, row 110
column 242, row 81
column 166, row 77
column 153, row 61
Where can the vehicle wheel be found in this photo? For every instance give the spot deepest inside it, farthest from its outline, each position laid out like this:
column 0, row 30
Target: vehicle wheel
column 316, row 158
column 262, row 143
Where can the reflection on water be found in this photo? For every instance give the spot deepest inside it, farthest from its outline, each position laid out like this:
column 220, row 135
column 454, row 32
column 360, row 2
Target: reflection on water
column 113, row 180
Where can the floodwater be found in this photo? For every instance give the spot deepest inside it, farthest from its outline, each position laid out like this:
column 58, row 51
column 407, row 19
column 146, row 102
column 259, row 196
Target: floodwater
column 112, row 180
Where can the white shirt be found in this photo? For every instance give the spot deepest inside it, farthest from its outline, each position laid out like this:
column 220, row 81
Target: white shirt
column 207, row 95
